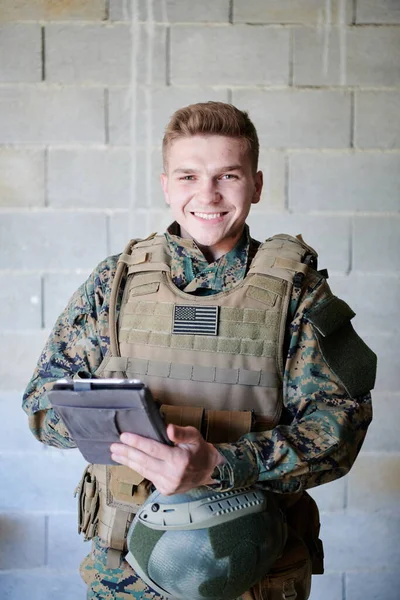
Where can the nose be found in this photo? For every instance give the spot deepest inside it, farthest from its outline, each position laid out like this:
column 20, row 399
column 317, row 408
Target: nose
column 208, row 192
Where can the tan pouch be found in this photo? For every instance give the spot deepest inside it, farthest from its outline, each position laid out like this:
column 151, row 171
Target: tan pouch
column 290, row 578
column 88, row 504
column 126, row 489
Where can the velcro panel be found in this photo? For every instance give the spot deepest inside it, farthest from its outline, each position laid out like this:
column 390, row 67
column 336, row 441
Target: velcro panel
column 239, row 330
column 147, row 288
column 252, row 315
column 330, row 315
column 228, row 313
column 265, row 296
column 276, row 286
column 147, row 323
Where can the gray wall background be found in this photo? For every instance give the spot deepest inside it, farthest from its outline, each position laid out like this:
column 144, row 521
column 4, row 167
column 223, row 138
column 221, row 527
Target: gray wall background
column 321, row 81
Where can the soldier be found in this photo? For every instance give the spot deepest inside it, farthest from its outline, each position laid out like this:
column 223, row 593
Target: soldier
column 283, row 363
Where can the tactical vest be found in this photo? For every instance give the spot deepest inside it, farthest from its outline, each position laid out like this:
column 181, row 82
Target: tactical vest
column 214, row 362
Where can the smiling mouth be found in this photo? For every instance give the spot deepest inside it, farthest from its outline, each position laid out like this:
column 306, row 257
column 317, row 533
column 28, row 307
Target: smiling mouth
column 208, row 216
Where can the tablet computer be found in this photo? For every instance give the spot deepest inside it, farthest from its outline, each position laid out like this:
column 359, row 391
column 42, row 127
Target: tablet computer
column 97, row 411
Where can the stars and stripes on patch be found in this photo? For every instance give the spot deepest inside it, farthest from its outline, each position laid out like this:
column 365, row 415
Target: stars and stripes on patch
column 195, row 320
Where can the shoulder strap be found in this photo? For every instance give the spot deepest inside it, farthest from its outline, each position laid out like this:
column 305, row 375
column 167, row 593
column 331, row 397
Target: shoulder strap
column 122, row 265
column 283, row 256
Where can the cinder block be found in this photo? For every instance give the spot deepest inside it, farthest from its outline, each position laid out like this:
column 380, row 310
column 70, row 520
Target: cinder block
column 49, row 487
column 298, row 118
column 386, row 348
column 361, row 541
column 382, row 12
column 105, row 183
column 273, row 166
column 58, row 289
column 65, row 546
column 319, row 56
column 51, row 115
column 37, row 10
column 42, row 585
column 374, row 482
column 128, row 225
column 159, row 220
column 328, row 586
column 21, row 177
column 344, row 182
column 20, row 301
column 383, row 435
column 287, row 11
column 239, row 55
column 20, row 52
column 373, row 586
column 15, row 435
column 102, row 54
column 377, row 119
column 373, row 56
column 374, row 299
column 18, row 356
column 154, row 113
column 330, row 496
column 48, row 240
column 171, row 11
column 330, row 236
column 376, row 243
column 22, row 543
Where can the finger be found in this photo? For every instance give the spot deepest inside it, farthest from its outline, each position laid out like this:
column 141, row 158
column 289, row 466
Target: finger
column 146, row 445
column 183, row 435
column 136, row 460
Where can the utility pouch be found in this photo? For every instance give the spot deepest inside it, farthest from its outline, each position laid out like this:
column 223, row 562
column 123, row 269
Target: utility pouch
column 290, row 577
column 303, row 518
column 88, row 504
column 126, row 489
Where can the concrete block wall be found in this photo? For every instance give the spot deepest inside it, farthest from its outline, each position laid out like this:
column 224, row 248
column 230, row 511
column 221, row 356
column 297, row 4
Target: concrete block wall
column 321, row 81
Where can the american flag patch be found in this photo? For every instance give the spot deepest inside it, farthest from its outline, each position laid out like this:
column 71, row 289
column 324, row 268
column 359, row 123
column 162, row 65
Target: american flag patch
column 195, row 320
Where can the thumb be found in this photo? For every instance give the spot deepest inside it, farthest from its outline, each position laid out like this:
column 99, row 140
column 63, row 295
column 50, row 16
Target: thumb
column 183, row 435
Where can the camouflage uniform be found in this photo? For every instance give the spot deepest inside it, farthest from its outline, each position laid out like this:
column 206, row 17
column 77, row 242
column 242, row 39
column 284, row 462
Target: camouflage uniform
column 321, row 429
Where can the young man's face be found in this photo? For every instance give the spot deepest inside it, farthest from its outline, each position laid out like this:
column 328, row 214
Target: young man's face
column 210, row 187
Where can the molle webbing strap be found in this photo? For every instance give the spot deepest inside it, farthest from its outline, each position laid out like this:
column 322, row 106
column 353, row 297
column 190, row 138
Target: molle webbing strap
column 183, row 415
column 226, row 426
column 140, row 366
column 119, row 530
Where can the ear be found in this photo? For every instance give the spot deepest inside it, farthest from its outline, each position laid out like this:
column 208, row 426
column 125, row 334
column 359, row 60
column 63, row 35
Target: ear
column 164, row 184
column 258, row 186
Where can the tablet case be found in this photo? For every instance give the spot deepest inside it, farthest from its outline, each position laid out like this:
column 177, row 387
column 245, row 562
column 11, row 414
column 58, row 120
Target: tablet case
column 96, row 412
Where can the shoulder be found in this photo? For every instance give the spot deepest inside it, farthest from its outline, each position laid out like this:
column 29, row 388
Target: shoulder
column 93, row 295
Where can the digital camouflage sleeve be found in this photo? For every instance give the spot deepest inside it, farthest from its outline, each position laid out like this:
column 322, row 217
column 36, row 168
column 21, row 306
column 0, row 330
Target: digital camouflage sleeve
column 322, row 427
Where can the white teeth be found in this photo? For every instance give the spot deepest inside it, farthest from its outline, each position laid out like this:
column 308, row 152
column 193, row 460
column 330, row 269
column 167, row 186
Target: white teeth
column 207, row 216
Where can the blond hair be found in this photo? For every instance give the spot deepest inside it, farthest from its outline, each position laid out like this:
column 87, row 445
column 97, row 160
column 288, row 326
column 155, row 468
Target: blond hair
column 212, row 118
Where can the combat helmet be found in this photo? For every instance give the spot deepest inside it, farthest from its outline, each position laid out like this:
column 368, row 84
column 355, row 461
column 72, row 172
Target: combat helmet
column 206, row 546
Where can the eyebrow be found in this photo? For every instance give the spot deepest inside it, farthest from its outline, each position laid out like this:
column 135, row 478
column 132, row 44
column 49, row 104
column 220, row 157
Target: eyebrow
column 187, row 170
